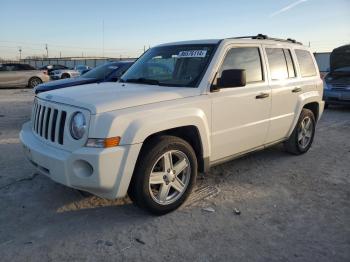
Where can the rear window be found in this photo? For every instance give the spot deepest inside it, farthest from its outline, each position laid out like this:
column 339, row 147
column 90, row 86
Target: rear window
column 306, row 63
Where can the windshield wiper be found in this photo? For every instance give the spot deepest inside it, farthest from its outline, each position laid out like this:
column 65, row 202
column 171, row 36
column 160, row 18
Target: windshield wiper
column 142, row 80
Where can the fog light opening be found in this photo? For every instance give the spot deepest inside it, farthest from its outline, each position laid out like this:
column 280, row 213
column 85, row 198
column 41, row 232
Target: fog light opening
column 82, row 168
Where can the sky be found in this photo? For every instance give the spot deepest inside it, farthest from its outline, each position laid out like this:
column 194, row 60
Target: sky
column 121, row 28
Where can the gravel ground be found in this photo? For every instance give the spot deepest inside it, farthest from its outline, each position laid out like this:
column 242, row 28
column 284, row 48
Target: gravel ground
column 292, row 208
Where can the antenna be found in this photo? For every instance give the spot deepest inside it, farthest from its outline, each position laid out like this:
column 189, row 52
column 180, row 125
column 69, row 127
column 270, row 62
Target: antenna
column 47, row 51
column 103, row 38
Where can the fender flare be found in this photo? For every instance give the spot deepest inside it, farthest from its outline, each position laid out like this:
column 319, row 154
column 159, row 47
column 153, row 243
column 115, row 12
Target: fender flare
column 140, row 129
column 304, row 99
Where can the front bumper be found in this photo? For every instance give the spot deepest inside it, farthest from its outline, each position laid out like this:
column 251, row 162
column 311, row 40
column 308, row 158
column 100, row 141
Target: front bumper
column 103, row 172
column 341, row 97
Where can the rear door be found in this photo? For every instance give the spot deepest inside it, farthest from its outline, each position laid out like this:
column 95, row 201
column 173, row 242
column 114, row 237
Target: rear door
column 285, row 88
column 240, row 115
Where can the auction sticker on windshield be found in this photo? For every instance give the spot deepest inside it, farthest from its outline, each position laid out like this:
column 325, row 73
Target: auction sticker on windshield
column 193, row 53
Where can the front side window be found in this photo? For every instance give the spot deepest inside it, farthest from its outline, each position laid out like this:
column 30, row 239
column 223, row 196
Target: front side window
column 177, row 65
column 247, row 58
column 306, row 64
column 277, row 63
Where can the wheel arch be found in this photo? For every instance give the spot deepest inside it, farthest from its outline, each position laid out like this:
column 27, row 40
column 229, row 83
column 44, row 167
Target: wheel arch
column 190, row 134
column 309, row 101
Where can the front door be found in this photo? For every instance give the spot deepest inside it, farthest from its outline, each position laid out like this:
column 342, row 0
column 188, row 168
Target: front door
column 240, row 115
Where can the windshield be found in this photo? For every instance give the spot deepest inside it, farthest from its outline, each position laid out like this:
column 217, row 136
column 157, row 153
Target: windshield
column 178, row 65
column 100, row 72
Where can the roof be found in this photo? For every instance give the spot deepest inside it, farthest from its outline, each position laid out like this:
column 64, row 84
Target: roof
column 240, row 39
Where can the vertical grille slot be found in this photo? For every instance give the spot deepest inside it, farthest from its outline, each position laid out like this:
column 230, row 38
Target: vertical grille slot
column 37, row 119
column 34, row 115
column 53, row 128
column 42, row 120
column 61, row 127
column 47, row 122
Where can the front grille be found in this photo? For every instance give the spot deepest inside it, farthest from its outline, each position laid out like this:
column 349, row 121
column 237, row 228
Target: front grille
column 340, row 85
column 49, row 122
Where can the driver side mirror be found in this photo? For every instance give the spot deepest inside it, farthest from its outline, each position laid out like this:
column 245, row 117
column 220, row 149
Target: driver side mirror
column 231, row 78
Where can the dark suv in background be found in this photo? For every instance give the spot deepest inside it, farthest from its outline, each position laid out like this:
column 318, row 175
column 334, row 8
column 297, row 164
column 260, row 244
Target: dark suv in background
column 109, row 72
column 337, row 81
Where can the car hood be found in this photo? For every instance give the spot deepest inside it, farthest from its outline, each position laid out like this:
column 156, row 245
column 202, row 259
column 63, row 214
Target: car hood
column 104, row 97
column 65, row 83
column 340, row 57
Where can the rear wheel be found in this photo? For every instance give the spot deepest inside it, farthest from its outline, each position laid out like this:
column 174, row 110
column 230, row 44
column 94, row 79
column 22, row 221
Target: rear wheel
column 65, row 76
column 34, row 81
column 164, row 176
column 303, row 134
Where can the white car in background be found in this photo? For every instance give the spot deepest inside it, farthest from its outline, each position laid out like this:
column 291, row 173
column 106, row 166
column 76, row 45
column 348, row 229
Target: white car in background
column 63, row 73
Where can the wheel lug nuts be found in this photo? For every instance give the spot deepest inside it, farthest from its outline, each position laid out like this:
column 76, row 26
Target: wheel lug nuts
column 168, row 170
column 164, row 177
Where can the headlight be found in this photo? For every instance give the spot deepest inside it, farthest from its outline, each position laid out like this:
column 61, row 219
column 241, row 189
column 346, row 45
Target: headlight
column 326, row 86
column 78, row 125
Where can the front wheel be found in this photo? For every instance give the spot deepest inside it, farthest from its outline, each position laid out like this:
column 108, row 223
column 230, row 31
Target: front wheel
column 303, row 134
column 164, row 176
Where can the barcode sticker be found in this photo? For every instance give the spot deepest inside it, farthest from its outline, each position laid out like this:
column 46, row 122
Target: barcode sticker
column 193, row 53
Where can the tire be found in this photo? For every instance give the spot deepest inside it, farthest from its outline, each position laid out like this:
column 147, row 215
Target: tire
column 301, row 139
column 64, row 76
column 34, row 81
column 160, row 196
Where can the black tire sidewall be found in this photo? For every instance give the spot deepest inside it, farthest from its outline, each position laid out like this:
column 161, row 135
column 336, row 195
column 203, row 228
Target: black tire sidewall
column 140, row 183
column 31, row 82
column 305, row 113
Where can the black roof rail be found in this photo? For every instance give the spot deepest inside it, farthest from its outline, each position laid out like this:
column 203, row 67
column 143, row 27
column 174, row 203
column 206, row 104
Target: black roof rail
column 265, row 37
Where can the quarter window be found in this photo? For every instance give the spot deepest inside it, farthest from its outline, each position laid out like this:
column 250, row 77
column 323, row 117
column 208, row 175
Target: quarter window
column 306, row 64
column 277, row 63
column 290, row 64
column 247, row 58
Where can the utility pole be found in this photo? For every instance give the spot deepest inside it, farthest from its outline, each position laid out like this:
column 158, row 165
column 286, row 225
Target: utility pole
column 309, row 44
column 144, row 48
column 103, row 38
column 20, row 53
column 47, row 51
column 60, row 54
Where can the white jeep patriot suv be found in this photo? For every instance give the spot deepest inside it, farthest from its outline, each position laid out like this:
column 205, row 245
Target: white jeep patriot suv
column 180, row 109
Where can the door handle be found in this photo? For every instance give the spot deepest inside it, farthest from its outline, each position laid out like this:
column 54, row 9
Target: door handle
column 296, row 90
column 262, row 96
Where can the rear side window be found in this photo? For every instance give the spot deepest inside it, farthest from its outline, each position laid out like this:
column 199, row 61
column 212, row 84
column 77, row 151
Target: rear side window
column 247, row 58
column 25, row 67
column 277, row 63
column 306, row 64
